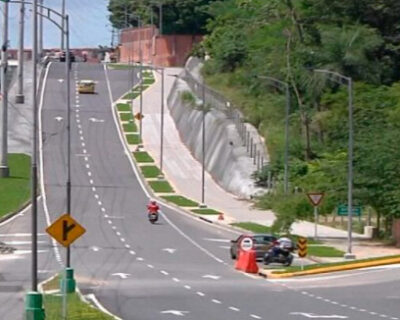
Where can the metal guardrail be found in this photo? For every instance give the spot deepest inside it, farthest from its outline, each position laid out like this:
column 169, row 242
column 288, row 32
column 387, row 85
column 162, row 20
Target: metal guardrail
column 250, row 138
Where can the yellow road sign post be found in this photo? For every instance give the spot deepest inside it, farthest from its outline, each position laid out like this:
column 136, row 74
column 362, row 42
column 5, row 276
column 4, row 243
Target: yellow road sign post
column 65, row 230
column 302, row 249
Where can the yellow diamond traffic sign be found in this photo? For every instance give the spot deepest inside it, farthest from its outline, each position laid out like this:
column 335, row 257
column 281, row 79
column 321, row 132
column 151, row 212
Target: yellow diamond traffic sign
column 65, row 230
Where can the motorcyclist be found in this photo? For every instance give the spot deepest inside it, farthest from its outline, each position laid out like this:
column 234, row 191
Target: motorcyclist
column 153, row 207
column 282, row 246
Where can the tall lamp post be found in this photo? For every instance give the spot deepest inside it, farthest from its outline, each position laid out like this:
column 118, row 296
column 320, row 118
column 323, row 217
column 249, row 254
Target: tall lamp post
column 284, row 86
column 341, row 79
column 19, row 97
column 4, row 169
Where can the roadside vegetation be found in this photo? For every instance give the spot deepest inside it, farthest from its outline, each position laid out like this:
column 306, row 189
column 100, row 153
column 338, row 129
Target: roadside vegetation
column 289, row 40
column 15, row 190
column 206, row 211
column 133, row 139
column 142, row 156
column 181, row 201
column 161, row 186
column 77, row 309
column 150, row 171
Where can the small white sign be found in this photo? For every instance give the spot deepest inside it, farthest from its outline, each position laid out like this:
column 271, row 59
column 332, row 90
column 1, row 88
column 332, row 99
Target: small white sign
column 247, row 244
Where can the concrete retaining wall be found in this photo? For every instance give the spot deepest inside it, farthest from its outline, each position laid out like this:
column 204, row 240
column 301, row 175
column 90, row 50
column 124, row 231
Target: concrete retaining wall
column 226, row 158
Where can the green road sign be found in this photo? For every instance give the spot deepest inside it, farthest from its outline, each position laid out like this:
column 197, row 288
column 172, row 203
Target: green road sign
column 342, row 210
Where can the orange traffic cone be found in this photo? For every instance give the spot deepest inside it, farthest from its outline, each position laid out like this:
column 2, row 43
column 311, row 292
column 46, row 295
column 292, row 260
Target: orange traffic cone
column 221, row 216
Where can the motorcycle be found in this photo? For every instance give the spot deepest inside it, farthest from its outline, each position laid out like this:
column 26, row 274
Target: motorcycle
column 153, row 217
column 282, row 256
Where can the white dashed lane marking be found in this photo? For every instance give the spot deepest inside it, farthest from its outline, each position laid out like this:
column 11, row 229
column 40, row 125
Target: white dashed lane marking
column 216, row 301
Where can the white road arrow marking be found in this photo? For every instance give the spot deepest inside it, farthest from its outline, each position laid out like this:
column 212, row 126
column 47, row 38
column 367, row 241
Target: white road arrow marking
column 121, row 275
column 316, row 316
column 58, row 119
column 96, row 120
column 175, row 312
column 210, row 276
column 170, row 250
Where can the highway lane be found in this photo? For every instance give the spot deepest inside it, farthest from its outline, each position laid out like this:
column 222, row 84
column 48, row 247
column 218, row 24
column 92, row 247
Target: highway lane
column 128, row 263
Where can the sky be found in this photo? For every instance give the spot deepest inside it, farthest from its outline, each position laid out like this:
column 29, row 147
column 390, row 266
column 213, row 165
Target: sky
column 89, row 24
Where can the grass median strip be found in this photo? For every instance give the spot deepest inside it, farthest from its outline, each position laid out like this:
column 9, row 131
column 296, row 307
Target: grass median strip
column 130, row 127
column 150, row 171
column 181, row 201
column 123, row 107
column 206, row 211
column 324, row 251
column 131, row 95
column 335, row 264
column 15, row 189
column 133, row 138
column 161, row 186
column 125, row 116
column 142, row 157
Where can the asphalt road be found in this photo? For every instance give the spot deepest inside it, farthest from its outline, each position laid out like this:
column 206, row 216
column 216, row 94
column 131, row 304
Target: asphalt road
column 180, row 267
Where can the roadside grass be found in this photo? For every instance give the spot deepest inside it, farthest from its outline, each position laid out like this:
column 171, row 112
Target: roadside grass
column 150, row 171
column 126, row 116
column 123, row 107
column 142, row 157
column 77, row 309
column 148, row 81
column 130, row 127
column 133, row 138
column 161, row 186
column 15, row 189
column 253, row 227
column 324, row 251
column 258, row 228
column 206, row 211
column 117, row 66
column 181, row 201
column 131, row 95
column 334, row 264
column 147, row 74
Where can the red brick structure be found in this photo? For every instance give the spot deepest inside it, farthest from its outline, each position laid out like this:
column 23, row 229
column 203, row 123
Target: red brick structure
column 165, row 50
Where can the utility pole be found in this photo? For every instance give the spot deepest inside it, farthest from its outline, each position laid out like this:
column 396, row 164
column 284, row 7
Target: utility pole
column 62, row 24
column 20, row 98
column 203, row 150
column 34, row 299
column 4, row 170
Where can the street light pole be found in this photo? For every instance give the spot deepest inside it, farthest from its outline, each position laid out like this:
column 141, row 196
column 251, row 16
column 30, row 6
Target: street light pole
column 162, row 121
column 203, row 149
column 62, row 24
column 339, row 78
column 20, row 98
column 4, row 170
column 40, row 32
column 284, row 86
column 141, row 81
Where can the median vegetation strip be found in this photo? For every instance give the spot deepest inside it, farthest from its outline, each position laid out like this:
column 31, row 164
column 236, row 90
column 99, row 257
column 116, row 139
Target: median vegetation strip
column 150, row 171
column 123, row 107
column 379, row 260
column 131, row 95
column 76, row 308
column 133, row 139
column 15, row 189
column 142, row 157
column 181, row 201
column 126, row 116
column 130, row 127
column 205, row 211
column 161, row 186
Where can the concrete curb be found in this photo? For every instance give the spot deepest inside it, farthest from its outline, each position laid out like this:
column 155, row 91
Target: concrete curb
column 351, row 266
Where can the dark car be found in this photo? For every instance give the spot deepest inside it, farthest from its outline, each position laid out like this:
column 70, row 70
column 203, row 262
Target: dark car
column 63, row 56
column 262, row 243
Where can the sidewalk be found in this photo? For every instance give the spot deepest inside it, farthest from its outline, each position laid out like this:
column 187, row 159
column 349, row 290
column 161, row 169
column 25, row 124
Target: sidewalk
column 184, row 172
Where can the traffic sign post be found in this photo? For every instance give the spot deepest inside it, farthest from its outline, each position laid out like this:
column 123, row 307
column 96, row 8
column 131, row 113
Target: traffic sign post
column 302, row 249
column 315, row 198
column 66, row 230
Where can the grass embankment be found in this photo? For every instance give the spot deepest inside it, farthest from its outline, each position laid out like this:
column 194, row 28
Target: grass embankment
column 181, row 201
column 315, row 247
column 126, row 116
column 15, row 189
column 123, row 107
column 130, row 127
column 77, row 309
column 334, row 264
